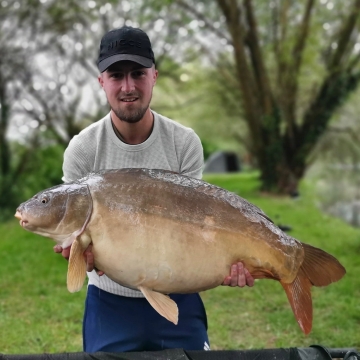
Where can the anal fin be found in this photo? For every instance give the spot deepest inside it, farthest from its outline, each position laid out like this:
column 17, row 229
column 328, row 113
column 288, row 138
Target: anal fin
column 76, row 268
column 162, row 304
column 299, row 296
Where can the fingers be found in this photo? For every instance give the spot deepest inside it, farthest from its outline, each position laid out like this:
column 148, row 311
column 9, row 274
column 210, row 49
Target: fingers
column 58, row 249
column 249, row 279
column 227, row 281
column 88, row 256
column 243, row 276
column 64, row 252
column 239, row 276
column 90, row 262
column 89, row 259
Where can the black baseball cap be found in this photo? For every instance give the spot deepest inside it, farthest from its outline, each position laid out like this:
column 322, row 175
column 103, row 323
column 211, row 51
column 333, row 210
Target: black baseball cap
column 125, row 43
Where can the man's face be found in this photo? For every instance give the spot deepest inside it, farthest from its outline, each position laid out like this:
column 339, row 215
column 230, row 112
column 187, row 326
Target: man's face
column 128, row 87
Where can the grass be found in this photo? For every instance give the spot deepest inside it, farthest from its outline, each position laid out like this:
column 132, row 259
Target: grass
column 38, row 315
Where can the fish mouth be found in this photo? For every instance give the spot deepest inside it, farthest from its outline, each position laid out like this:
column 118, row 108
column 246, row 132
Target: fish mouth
column 18, row 215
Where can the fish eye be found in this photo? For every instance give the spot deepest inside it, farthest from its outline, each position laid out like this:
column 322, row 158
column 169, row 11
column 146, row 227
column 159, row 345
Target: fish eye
column 44, row 200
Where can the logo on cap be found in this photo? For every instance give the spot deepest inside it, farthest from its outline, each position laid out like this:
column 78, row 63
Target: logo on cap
column 125, row 43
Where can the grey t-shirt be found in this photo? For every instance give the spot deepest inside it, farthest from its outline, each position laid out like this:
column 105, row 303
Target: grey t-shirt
column 171, row 146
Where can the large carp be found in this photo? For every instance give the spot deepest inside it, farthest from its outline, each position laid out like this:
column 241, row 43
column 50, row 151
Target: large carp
column 162, row 233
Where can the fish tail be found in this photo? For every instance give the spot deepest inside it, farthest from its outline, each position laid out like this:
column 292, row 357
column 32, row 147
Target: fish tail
column 299, row 296
column 318, row 269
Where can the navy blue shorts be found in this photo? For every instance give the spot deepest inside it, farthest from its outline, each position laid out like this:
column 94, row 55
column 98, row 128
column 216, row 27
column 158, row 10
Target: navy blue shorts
column 119, row 324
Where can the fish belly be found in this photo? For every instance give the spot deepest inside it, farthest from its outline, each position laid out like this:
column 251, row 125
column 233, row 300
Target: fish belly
column 173, row 256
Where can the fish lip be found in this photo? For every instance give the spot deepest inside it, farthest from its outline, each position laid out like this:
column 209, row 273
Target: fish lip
column 23, row 222
column 18, row 214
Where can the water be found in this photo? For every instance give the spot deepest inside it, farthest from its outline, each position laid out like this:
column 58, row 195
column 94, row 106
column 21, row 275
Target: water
column 348, row 211
column 337, row 190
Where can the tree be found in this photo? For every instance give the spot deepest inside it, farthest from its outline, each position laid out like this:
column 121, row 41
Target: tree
column 48, row 86
column 284, row 117
column 34, row 91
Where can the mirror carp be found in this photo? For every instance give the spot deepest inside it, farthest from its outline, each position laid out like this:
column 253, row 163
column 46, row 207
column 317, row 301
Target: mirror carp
column 161, row 233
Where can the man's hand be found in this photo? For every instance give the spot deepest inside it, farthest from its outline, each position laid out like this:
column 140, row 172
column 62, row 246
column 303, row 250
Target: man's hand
column 239, row 276
column 64, row 252
column 88, row 257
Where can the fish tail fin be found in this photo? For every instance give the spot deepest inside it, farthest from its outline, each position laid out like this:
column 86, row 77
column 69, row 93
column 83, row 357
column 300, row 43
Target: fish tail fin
column 318, row 269
column 299, row 296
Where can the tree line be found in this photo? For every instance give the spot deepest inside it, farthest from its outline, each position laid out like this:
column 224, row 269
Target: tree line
column 282, row 69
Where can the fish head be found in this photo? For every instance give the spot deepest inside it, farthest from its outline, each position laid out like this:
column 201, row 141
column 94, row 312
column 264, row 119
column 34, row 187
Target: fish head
column 57, row 212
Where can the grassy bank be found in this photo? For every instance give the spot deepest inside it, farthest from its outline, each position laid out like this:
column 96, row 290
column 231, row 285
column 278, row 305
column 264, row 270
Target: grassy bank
column 38, row 315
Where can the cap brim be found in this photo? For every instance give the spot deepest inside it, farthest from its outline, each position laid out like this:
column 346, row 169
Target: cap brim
column 104, row 64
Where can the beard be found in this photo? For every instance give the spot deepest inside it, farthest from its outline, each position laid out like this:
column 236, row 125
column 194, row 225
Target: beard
column 131, row 115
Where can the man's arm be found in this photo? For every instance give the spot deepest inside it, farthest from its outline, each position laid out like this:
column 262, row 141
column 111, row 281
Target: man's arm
column 76, row 162
column 192, row 157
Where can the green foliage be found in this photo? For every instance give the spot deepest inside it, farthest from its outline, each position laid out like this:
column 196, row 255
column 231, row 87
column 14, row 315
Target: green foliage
column 38, row 315
column 209, row 148
column 46, row 171
column 67, row 33
column 196, row 96
column 41, row 170
column 332, row 95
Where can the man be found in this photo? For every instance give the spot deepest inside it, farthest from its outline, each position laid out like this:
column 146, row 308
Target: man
column 132, row 135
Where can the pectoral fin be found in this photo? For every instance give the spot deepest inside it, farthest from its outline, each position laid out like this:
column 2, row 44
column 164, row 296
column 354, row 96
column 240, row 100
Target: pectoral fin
column 77, row 267
column 162, row 304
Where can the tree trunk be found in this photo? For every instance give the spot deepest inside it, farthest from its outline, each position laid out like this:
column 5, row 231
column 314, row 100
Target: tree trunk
column 281, row 143
column 4, row 120
column 4, row 146
column 280, row 178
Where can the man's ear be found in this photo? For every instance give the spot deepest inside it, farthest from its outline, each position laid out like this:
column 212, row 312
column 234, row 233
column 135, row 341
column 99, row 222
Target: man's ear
column 101, row 80
column 156, row 74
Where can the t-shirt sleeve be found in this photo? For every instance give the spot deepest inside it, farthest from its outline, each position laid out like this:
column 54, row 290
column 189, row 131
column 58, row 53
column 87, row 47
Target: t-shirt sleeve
column 192, row 159
column 75, row 163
